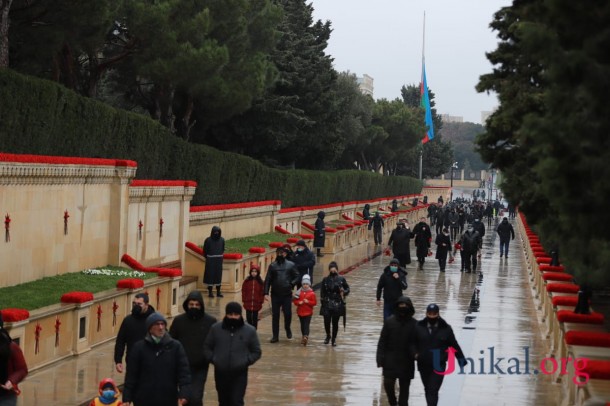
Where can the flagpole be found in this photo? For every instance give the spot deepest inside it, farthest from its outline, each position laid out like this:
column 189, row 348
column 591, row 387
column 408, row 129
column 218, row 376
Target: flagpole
column 423, row 47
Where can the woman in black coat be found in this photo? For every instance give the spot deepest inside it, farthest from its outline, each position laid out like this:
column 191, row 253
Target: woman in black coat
column 443, row 246
column 213, row 251
column 319, row 237
column 396, row 351
column 333, row 291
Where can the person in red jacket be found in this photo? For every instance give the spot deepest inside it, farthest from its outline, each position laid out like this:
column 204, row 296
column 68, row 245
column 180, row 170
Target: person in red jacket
column 13, row 368
column 305, row 304
column 253, row 295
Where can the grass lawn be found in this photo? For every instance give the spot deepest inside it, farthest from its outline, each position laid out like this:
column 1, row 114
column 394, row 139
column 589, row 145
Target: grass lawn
column 48, row 291
column 261, row 240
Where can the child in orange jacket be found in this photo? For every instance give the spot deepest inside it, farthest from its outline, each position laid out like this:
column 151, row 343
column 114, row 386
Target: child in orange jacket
column 305, row 303
column 109, row 394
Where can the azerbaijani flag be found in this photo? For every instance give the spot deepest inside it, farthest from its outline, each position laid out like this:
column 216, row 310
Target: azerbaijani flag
column 425, row 104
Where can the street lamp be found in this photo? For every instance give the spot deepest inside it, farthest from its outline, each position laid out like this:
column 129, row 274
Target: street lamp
column 491, row 185
column 454, row 166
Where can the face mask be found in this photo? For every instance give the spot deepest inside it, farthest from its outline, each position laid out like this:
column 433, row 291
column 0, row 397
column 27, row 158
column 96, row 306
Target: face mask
column 299, row 249
column 432, row 321
column 232, row 323
column 136, row 310
column 193, row 312
column 280, row 259
column 394, row 268
column 108, row 394
column 402, row 311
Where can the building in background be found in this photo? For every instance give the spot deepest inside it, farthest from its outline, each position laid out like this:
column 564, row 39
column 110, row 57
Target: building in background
column 365, row 83
column 451, row 119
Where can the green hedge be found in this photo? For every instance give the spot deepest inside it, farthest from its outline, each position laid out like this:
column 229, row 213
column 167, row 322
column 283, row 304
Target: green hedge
column 44, row 118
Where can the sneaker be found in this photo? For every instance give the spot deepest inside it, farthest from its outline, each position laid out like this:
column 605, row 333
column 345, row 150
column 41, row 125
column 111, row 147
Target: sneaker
column 274, row 340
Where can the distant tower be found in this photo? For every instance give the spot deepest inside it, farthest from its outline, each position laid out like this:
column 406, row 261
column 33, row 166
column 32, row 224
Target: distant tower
column 365, row 83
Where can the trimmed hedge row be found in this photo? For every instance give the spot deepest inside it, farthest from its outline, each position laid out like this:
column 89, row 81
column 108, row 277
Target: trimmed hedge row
column 42, row 117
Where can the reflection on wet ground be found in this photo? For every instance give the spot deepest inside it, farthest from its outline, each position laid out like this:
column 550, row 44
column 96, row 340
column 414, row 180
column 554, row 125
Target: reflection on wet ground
column 491, row 312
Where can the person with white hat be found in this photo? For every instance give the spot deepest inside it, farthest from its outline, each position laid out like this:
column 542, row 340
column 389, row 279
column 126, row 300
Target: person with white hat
column 305, row 303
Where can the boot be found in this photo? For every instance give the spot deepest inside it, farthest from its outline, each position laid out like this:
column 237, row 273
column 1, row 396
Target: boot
column 218, row 291
column 210, row 293
column 327, row 340
column 320, row 253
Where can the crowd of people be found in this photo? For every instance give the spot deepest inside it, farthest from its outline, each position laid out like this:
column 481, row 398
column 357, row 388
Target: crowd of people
column 165, row 366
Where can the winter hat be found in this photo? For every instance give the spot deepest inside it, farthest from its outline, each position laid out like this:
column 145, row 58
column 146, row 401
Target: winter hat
column 233, row 308
column 394, row 261
column 333, row 264
column 255, row 266
column 306, row 280
column 153, row 318
column 432, row 308
column 301, row 243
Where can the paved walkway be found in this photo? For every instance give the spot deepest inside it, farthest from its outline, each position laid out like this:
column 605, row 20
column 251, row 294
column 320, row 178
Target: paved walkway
column 492, row 309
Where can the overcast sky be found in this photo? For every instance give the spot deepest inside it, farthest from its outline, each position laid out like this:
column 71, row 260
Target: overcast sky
column 383, row 38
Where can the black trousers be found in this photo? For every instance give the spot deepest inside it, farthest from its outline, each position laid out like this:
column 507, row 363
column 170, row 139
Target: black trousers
column 305, row 321
column 432, row 384
column 470, row 261
column 231, row 387
column 252, row 318
column 285, row 304
column 389, row 385
column 335, row 325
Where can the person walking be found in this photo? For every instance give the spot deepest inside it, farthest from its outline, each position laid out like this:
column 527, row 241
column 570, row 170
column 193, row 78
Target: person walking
column 304, row 260
column 191, row 329
column 396, row 351
column 13, row 368
column 133, row 329
column 281, row 278
column 109, row 394
column 213, row 251
column 423, row 236
column 400, row 243
column 158, row 373
column 333, row 292
column 392, row 282
column 377, row 223
column 443, row 247
column 434, row 338
column 319, row 237
column 470, row 243
column 232, row 347
column 253, row 295
column 507, row 233
column 305, row 302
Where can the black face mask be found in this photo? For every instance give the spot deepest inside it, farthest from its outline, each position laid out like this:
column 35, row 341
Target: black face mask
column 432, row 322
column 280, row 259
column 194, row 313
column 136, row 310
column 402, row 311
column 232, row 323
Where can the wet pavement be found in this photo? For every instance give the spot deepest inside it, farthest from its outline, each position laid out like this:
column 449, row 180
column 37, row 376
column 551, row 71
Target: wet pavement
column 492, row 311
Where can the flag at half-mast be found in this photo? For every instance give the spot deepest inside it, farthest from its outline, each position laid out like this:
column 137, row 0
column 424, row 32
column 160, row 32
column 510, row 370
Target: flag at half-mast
column 424, row 102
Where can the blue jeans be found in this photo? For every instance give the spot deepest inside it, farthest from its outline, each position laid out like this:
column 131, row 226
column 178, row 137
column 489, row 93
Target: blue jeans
column 504, row 247
column 388, row 308
column 285, row 303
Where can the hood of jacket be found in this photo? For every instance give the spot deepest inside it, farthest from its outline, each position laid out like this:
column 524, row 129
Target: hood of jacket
column 321, row 214
column 194, row 295
column 215, row 229
column 107, row 382
column 408, row 302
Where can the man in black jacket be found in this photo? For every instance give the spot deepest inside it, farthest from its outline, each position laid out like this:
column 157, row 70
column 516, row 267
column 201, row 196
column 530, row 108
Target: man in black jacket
column 232, row 346
column 158, row 373
column 392, row 282
column 191, row 328
column 505, row 230
column 281, row 277
column 396, row 351
column 400, row 241
column 434, row 337
column 470, row 242
column 132, row 330
column 423, row 237
column 304, row 260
